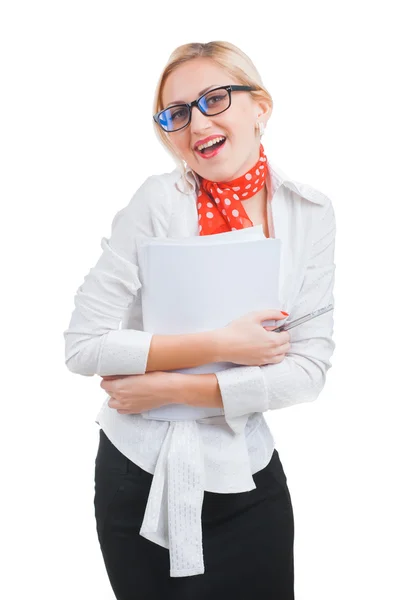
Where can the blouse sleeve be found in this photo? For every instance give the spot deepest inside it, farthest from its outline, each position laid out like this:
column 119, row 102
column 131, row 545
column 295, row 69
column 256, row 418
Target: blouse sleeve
column 301, row 375
column 94, row 344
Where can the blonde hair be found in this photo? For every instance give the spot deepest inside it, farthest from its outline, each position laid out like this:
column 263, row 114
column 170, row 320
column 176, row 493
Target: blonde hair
column 224, row 54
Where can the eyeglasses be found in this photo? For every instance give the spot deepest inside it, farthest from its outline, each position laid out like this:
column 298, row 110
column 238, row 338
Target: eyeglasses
column 213, row 102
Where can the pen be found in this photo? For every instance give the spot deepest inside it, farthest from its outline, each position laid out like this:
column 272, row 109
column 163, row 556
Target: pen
column 296, row 322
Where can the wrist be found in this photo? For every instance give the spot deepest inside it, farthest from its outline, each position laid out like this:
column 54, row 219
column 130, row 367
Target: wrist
column 172, row 387
column 210, row 344
column 197, row 390
column 217, row 344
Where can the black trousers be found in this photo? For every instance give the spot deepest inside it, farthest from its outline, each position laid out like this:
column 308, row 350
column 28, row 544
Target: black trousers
column 248, row 537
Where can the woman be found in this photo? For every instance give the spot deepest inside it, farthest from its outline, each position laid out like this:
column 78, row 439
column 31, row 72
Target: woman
column 201, row 508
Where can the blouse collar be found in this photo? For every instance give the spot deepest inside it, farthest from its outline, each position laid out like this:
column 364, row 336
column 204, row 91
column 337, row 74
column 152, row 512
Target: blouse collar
column 278, row 178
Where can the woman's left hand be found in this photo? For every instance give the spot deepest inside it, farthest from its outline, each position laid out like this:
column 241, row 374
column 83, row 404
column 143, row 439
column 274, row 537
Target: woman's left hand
column 132, row 394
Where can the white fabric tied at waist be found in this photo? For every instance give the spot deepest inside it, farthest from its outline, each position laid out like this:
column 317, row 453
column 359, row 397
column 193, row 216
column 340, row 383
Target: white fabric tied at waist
column 172, row 517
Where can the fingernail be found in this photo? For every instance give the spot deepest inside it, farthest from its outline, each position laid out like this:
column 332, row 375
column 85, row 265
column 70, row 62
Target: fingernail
column 284, row 313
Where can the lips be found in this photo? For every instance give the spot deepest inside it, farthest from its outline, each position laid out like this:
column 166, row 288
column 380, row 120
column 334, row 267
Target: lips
column 208, row 139
column 212, row 151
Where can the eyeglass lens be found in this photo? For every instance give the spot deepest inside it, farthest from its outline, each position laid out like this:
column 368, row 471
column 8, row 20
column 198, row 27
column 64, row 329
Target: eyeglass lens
column 178, row 116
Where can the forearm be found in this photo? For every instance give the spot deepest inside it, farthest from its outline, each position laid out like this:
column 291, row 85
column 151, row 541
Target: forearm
column 169, row 352
column 198, row 390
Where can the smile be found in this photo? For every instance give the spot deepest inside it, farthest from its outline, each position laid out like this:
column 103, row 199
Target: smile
column 210, row 151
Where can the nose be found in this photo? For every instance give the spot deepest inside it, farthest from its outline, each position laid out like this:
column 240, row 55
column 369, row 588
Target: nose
column 199, row 121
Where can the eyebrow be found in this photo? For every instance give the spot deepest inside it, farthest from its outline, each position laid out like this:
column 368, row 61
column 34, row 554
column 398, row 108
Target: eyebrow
column 200, row 94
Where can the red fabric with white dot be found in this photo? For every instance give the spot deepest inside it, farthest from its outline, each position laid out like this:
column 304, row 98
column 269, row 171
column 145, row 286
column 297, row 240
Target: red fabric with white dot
column 219, row 205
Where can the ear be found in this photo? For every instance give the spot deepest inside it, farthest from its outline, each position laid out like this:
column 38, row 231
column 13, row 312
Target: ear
column 263, row 110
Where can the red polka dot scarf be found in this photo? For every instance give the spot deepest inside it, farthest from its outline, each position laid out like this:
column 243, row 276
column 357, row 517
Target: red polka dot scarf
column 219, row 205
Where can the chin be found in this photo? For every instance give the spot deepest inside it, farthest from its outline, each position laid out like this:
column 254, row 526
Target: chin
column 222, row 175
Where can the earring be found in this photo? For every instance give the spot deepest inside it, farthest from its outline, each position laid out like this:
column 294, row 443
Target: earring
column 261, row 127
column 183, row 161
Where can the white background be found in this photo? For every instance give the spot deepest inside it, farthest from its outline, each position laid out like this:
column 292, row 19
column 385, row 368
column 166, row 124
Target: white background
column 76, row 142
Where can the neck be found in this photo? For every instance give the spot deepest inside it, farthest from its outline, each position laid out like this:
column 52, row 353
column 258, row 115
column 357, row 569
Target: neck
column 258, row 200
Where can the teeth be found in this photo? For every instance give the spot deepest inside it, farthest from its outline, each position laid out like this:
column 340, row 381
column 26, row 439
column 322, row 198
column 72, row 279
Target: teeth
column 210, row 143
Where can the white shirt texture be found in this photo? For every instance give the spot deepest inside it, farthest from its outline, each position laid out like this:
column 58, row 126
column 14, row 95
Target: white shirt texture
column 212, row 453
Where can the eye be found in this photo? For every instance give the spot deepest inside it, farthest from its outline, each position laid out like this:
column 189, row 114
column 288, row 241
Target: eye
column 177, row 114
column 215, row 99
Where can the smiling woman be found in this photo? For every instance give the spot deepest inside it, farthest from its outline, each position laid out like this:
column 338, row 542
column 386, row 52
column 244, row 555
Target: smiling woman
column 200, row 508
column 209, row 131
column 224, row 111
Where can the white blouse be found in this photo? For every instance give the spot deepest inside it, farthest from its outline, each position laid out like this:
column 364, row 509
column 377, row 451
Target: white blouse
column 212, row 453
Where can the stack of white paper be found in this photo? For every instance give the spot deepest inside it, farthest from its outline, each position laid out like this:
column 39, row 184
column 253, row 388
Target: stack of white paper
column 202, row 283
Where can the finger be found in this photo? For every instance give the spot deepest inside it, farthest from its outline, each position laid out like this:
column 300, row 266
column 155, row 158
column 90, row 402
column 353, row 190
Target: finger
column 278, row 358
column 113, row 403
column 268, row 314
column 278, row 333
column 284, row 348
column 106, row 384
column 284, row 336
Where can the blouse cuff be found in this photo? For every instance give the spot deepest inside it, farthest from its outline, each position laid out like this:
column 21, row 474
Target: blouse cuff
column 125, row 352
column 243, row 392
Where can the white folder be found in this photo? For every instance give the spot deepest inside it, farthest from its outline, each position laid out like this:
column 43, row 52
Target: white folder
column 201, row 283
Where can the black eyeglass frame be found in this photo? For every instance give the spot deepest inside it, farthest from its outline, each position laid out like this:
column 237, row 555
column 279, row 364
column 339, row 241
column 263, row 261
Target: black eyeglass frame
column 190, row 105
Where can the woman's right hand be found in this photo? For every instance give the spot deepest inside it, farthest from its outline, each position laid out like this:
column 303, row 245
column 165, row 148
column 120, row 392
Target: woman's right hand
column 246, row 341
